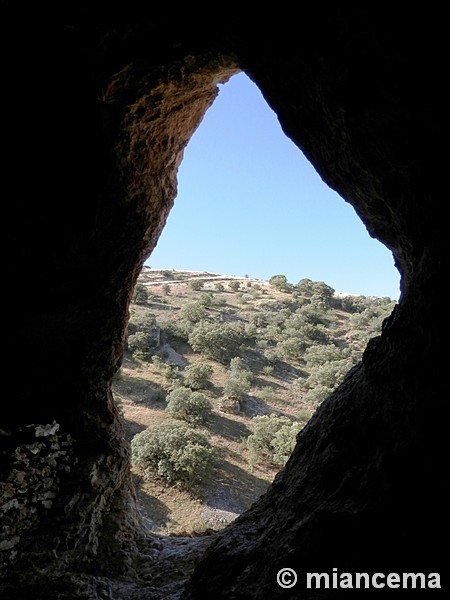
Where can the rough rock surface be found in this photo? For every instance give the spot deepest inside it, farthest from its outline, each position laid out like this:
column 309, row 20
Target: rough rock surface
column 98, row 108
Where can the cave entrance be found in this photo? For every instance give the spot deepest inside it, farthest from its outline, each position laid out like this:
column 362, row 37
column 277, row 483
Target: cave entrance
column 292, row 336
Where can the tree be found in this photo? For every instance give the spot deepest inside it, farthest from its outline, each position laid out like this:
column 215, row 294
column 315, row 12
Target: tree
column 284, row 442
column 198, row 376
column 234, row 286
column 236, row 386
column 239, row 380
column 305, row 287
column 329, row 374
column 140, row 294
column 193, row 312
column 189, row 406
column 280, row 282
column 196, row 284
column 219, row 341
column 272, row 440
column 174, row 452
column 140, row 344
column 317, row 395
column 318, row 355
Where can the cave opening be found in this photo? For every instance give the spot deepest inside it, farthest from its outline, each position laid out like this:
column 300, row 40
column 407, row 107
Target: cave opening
column 366, row 484
column 290, row 378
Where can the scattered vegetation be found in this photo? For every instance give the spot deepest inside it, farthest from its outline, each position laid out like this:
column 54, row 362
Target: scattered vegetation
column 219, row 377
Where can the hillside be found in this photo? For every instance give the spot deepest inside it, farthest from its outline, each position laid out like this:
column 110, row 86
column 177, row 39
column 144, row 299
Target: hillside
column 293, row 343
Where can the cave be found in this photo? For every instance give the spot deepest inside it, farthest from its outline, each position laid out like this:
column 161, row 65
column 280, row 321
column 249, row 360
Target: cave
column 98, row 105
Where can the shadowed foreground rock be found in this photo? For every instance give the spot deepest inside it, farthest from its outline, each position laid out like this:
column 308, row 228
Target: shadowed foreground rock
column 98, row 108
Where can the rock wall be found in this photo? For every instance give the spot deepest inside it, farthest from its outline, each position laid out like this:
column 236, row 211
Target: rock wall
column 98, row 109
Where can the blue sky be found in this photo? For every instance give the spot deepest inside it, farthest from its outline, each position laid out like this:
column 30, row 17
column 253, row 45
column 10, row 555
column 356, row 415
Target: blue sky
column 250, row 203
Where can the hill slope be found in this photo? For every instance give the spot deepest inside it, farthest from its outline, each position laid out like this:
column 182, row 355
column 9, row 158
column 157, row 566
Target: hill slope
column 270, row 350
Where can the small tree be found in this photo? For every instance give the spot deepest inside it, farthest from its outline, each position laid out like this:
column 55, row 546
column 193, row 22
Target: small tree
column 198, row 376
column 236, row 387
column 140, row 294
column 317, row 395
column 280, row 282
column 272, row 440
column 329, row 374
column 189, row 406
column 219, row 341
column 175, row 452
column 239, row 381
column 140, row 344
column 193, row 312
column 196, row 284
column 284, row 442
column 234, row 286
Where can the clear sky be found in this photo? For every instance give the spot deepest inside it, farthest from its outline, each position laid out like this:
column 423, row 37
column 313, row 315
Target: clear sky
column 250, row 203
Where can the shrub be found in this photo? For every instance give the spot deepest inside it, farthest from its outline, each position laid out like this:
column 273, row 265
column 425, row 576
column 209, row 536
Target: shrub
column 175, row 452
column 280, row 282
column 196, row 284
column 318, row 355
column 236, row 387
column 239, row 381
column 317, row 395
column 140, row 344
column 219, row 341
column 189, row 406
column 193, row 312
column 198, row 376
column 272, row 440
column 284, row 442
column 234, row 286
column 140, row 294
column 329, row 374
column 206, row 299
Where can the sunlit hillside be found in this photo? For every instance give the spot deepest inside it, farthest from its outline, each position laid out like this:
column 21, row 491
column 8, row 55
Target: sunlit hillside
column 235, row 368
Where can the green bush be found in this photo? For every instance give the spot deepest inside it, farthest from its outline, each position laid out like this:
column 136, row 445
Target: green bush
column 219, row 341
column 272, row 440
column 280, row 282
column 236, row 387
column 189, row 406
column 196, row 284
column 239, row 380
column 329, row 374
column 198, row 376
column 174, row 452
column 318, row 355
column 140, row 294
column 317, row 395
column 283, row 443
column 193, row 312
column 140, row 344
